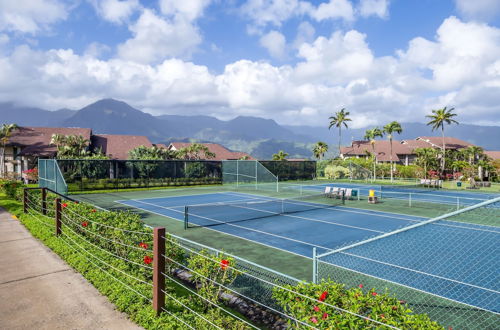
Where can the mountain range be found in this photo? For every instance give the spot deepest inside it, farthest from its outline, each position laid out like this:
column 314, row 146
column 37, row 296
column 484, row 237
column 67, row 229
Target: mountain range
column 257, row 136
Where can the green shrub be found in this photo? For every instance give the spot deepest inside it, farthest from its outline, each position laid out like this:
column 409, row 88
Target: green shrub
column 375, row 305
column 336, row 172
column 11, row 188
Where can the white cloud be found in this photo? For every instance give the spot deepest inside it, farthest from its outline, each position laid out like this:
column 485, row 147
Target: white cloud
column 478, row 9
column 334, row 9
column 460, row 67
column 116, row 11
column 305, row 33
column 28, row 16
column 275, row 44
column 189, row 9
column 155, row 39
column 264, row 12
column 378, row 8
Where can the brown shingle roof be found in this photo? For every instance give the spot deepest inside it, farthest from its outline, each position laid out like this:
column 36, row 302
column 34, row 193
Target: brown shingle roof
column 450, row 142
column 493, row 154
column 221, row 153
column 36, row 140
column 382, row 149
column 118, row 146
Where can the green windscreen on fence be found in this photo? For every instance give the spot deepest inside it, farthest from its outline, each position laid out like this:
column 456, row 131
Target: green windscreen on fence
column 248, row 174
column 50, row 176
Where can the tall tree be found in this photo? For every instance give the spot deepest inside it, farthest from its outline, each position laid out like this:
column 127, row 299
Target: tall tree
column 426, row 157
column 195, row 151
column 338, row 119
column 438, row 118
column 390, row 129
column 319, row 150
column 281, row 155
column 5, row 134
column 371, row 135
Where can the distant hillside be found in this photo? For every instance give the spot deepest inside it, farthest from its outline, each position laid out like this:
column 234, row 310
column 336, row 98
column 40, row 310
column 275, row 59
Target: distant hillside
column 257, row 136
column 28, row 116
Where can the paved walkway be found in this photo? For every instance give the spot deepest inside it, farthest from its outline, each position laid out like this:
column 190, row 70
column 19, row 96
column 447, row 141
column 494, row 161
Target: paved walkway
column 40, row 291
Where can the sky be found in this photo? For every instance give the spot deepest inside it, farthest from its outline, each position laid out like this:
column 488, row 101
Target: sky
column 295, row 61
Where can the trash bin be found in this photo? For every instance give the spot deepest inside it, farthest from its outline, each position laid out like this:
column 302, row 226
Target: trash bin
column 459, row 184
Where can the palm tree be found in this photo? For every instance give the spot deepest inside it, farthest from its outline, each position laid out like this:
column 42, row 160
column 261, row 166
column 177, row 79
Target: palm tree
column 475, row 153
column 371, row 135
column 438, row 118
column 338, row 119
column 389, row 129
column 5, row 134
column 319, row 150
column 426, row 157
column 281, row 155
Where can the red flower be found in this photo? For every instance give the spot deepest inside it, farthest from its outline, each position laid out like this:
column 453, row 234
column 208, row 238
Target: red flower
column 316, row 308
column 323, row 296
column 314, row 320
column 402, row 302
column 93, row 211
column 382, row 315
column 224, row 264
column 374, row 294
column 64, row 205
column 325, row 316
column 148, row 260
column 361, row 286
column 394, row 308
column 85, row 224
column 143, row 245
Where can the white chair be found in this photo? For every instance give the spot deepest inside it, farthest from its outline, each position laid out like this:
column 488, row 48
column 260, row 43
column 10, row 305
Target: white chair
column 328, row 191
column 348, row 193
column 334, row 192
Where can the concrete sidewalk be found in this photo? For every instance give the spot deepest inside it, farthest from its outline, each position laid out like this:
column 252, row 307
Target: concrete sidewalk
column 40, row 291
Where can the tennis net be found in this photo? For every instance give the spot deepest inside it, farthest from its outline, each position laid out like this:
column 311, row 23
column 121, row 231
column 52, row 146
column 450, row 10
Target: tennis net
column 207, row 215
column 414, row 188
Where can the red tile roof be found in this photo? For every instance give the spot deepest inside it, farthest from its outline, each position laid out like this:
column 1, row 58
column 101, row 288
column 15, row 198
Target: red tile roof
column 493, row 154
column 221, row 152
column 118, row 146
column 36, row 140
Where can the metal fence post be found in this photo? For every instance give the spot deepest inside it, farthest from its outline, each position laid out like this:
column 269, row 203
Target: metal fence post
column 315, row 266
column 44, row 201
column 25, row 200
column 58, row 216
column 158, row 269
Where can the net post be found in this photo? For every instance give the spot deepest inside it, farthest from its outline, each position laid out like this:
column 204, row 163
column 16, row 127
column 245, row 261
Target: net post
column 256, row 177
column 158, row 269
column 25, row 200
column 237, row 174
column 315, row 266
column 458, row 203
column 359, row 194
column 58, row 216
column 277, row 184
column 185, row 217
column 44, row 201
column 409, row 200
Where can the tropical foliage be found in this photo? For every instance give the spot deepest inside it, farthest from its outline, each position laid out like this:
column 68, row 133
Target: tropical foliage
column 339, row 119
column 371, row 135
column 281, row 155
column 5, row 134
column 319, row 150
column 438, row 119
column 390, row 129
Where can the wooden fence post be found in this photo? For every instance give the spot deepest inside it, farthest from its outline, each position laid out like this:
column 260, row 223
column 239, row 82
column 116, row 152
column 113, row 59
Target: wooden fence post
column 158, row 269
column 25, row 200
column 58, row 216
column 44, row 201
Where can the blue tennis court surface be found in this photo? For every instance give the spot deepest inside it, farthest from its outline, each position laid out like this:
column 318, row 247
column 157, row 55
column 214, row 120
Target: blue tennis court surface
column 327, row 229
column 298, row 233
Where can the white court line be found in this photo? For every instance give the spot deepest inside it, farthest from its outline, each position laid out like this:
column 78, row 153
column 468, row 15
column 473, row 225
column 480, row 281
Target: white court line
column 221, row 232
column 420, row 272
column 246, row 228
column 404, row 285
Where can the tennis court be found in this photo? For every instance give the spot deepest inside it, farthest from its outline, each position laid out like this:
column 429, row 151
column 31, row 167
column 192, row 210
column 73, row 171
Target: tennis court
column 256, row 218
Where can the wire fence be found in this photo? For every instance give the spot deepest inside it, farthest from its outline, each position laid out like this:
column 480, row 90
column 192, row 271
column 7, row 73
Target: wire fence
column 132, row 258
column 446, row 267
